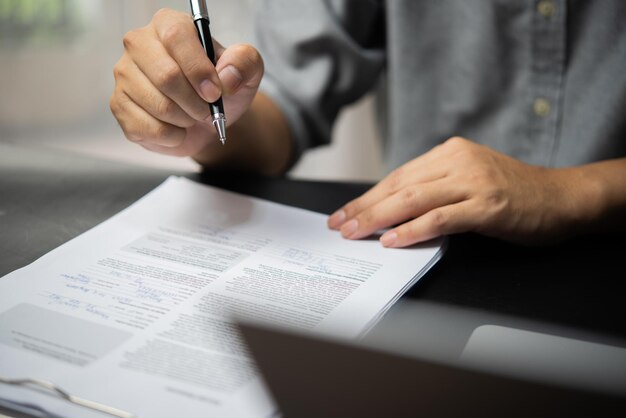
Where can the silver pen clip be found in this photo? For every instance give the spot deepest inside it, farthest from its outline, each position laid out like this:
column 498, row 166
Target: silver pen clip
column 199, row 10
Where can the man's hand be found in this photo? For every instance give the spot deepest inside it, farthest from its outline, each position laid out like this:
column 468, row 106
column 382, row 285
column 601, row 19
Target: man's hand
column 461, row 186
column 164, row 80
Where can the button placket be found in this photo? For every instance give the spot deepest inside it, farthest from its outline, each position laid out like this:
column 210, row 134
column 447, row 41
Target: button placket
column 546, row 8
column 546, row 80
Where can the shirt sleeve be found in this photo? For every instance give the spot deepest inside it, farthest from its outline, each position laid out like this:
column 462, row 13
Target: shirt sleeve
column 319, row 56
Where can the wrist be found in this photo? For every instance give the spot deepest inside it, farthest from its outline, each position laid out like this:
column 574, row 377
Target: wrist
column 606, row 185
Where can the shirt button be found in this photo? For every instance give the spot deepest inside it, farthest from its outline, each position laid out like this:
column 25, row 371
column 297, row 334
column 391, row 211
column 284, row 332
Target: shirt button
column 546, row 8
column 541, row 107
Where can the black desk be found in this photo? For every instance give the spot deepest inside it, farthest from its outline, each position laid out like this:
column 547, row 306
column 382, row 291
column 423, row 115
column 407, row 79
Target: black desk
column 48, row 197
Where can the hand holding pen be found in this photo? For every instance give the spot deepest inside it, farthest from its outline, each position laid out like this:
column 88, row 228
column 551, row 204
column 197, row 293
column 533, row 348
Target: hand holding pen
column 165, row 79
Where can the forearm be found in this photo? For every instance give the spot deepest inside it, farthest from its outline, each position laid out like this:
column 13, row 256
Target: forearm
column 599, row 191
column 259, row 141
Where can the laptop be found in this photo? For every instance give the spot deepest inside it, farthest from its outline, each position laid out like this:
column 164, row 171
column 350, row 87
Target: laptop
column 436, row 361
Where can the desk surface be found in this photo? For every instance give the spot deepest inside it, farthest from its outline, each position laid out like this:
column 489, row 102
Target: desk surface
column 48, row 197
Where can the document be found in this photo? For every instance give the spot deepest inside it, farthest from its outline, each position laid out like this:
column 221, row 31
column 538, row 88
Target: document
column 138, row 312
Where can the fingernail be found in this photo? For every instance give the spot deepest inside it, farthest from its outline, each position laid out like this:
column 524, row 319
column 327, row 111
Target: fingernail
column 388, row 238
column 210, row 92
column 336, row 219
column 349, row 228
column 231, row 78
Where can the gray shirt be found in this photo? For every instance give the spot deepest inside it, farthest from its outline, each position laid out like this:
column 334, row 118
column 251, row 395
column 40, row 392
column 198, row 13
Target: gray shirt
column 541, row 80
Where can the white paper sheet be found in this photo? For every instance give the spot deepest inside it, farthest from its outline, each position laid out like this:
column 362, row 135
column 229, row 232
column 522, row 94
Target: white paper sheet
column 137, row 312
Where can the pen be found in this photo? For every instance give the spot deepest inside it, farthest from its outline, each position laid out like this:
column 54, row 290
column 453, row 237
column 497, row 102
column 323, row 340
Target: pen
column 200, row 16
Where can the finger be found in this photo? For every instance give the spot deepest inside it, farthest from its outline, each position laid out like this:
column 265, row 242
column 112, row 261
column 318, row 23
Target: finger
column 180, row 39
column 240, row 66
column 198, row 138
column 408, row 203
column 400, row 178
column 180, row 151
column 427, row 167
column 152, row 59
column 139, row 126
column 137, row 86
column 446, row 220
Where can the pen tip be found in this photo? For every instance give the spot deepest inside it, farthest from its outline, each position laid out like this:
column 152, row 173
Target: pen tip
column 220, row 127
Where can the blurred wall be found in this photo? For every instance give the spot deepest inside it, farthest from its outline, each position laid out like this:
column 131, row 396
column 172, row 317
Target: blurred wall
column 56, row 61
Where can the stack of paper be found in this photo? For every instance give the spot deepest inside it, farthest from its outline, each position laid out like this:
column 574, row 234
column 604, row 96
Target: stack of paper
column 137, row 312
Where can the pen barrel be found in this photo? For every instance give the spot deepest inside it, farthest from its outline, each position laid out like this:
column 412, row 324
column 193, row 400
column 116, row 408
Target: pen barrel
column 202, row 27
column 217, row 108
column 204, row 33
